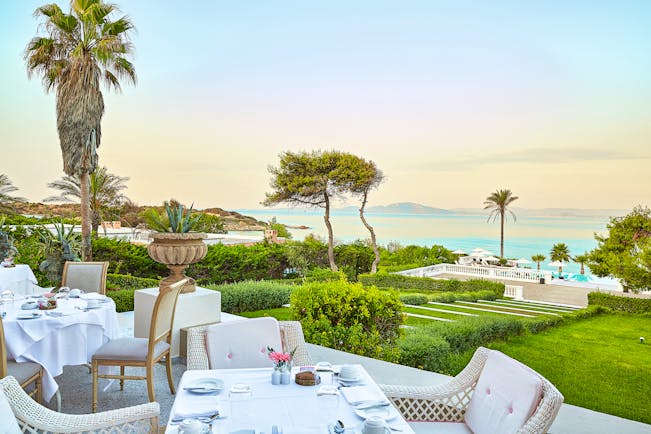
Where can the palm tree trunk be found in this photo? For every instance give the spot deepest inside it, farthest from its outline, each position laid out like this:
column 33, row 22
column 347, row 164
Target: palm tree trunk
column 86, row 246
column 502, row 234
column 331, row 241
column 376, row 251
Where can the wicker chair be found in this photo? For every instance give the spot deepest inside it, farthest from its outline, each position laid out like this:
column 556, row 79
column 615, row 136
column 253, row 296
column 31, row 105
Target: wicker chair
column 34, row 418
column 142, row 352
column 27, row 373
column 449, row 402
column 291, row 336
column 88, row 276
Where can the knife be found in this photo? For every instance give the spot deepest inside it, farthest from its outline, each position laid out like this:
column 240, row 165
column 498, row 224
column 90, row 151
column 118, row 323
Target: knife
column 367, row 405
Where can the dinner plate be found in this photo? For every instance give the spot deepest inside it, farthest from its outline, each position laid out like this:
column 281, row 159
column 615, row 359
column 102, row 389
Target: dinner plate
column 30, row 315
column 387, row 412
column 349, row 380
column 205, row 385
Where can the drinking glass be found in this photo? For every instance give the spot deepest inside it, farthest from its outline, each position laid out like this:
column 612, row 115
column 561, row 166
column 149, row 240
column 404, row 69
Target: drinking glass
column 240, row 396
column 328, row 399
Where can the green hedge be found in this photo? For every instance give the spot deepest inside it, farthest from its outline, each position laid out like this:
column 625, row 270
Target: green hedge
column 348, row 317
column 253, row 295
column 398, row 281
column 123, row 299
column 123, row 281
column 618, row 303
column 126, row 258
column 447, row 297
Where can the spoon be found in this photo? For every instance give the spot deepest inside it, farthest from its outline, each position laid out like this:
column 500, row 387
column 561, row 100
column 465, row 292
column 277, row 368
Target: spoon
column 339, row 427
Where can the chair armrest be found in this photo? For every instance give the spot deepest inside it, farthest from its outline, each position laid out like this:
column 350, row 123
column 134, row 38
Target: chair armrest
column 197, row 355
column 546, row 411
column 35, row 417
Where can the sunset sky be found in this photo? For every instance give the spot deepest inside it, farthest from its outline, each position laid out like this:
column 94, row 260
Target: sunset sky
column 452, row 100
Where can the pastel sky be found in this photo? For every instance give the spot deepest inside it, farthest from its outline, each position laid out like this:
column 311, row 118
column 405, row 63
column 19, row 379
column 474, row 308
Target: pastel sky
column 451, row 99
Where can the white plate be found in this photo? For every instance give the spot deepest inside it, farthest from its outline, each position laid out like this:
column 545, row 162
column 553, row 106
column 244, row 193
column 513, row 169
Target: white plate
column 31, row 315
column 350, row 380
column 387, row 412
column 205, row 385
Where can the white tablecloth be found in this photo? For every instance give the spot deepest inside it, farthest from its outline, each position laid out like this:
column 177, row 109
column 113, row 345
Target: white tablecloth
column 20, row 279
column 295, row 408
column 55, row 342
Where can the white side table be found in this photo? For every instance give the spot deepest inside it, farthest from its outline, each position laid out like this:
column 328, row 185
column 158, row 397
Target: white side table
column 195, row 308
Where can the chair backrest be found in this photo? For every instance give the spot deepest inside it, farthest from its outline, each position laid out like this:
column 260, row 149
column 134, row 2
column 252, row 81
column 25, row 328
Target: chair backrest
column 291, row 334
column 162, row 316
column 506, row 396
column 3, row 352
column 87, row 276
column 242, row 343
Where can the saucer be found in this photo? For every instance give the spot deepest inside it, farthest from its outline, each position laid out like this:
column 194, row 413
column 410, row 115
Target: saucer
column 205, row 385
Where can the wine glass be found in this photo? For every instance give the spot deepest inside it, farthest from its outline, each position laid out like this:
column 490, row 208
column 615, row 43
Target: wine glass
column 240, row 396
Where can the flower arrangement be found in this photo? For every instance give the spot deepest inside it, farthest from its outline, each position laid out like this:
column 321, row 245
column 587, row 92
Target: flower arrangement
column 281, row 360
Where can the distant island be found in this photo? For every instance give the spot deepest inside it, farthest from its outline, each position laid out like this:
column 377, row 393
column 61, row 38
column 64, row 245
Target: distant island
column 398, row 208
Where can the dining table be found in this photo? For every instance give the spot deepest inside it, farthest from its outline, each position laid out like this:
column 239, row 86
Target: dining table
column 285, row 408
column 18, row 278
column 68, row 335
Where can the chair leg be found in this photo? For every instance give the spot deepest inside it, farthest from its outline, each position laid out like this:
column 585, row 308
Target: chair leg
column 150, row 381
column 39, row 388
column 94, row 368
column 170, row 380
column 122, row 379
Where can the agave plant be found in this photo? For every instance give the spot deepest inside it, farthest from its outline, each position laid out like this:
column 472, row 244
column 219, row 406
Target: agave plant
column 58, row 247
column 176, row 218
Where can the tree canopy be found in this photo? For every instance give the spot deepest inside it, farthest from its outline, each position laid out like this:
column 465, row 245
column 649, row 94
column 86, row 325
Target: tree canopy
column 625, row 253
column 7, row 199
column 498, row 203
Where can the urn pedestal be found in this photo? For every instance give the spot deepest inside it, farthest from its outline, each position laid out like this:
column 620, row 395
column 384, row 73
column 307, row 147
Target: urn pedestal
column 178, row 251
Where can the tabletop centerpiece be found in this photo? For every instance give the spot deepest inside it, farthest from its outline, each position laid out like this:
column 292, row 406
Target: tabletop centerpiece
column 173, row 244
column 282, row 366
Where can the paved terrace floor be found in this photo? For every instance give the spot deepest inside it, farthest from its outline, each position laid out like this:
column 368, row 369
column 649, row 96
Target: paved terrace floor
column 75, row 383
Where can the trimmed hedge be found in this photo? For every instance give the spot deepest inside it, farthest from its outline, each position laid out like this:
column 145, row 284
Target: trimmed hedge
column 123, row 281
column 447, row 297
column 123, row 299
column 253, row 295
column 398, row 281
column 619, row 303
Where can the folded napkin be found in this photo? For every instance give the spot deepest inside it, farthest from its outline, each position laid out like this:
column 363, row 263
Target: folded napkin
column 197, row 406
column 92, row 296
column 362, row 394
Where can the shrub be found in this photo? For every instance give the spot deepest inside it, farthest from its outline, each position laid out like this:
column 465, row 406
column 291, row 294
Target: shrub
column 253, row 295
column 620, row 303
column 123, row 281
column 413, row 299
column 123, row 299
column 348, row 317
column 423, row 350
column 382, row 280
column 450, row 297
column 127, row 258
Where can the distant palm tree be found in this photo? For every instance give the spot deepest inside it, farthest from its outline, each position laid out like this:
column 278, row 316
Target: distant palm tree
column 538, row 258
column 7, row 200
column 560, row 252
column 82, row 48
column 498, row 203
column 105, row 193
column 582, row 259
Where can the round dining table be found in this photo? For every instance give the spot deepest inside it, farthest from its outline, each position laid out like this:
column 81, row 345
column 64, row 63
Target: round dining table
column 67, row 335
column 18, row 278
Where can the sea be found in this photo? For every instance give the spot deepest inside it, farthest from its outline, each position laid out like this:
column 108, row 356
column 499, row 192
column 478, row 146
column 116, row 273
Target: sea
column 527, row 236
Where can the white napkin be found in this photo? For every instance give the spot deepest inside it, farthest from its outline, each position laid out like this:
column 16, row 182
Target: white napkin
column 92, row 296
column 358, row 394
column 197, row 406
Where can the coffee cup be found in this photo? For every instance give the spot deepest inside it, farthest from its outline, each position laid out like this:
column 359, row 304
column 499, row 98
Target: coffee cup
column 375, row 425
column 75, row 292
column 192, row 426
column 348, row 372
column 92, row 303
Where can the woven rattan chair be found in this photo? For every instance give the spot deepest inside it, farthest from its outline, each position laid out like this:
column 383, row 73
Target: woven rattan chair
column 28, row 374
column 34, row 418
column 87, row 276
column 449, row 402
column 142, row 352
column 291, row 336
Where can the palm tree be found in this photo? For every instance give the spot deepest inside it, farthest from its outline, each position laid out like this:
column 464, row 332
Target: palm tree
column 538, row 258
column 582, row 259
column 7, row 200
column 81, row 49
column 498, row 203
column 105, row 193
column 560, row 252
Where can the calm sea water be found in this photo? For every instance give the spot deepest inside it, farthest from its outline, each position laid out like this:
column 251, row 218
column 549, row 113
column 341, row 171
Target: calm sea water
column 524, row 238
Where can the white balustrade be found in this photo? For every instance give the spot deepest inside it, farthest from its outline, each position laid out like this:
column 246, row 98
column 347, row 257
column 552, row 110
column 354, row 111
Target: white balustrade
column 514, row 291
column 517, row 274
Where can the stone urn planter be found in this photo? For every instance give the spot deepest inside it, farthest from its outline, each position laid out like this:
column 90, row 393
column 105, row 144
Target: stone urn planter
column 177, row 251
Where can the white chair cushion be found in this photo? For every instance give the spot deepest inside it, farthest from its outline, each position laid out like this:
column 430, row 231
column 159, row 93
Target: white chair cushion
column 242, row 344
column 440, row 428
column 9, row 424
column 506, row 395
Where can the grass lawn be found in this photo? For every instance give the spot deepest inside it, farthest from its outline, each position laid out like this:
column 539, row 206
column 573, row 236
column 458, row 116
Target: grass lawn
column 597, row 363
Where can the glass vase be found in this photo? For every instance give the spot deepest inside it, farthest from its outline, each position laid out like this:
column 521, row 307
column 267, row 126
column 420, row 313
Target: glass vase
column 285, row 374
column 276, row 375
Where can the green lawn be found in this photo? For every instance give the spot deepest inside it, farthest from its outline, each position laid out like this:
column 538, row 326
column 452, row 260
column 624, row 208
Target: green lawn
column 597, row 363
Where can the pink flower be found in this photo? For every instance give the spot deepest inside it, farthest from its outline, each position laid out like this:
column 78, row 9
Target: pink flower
column 279, row 359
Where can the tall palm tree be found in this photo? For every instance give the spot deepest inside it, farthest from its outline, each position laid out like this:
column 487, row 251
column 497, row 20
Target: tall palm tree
column 560, row 252
column 498, row 202
column 81, row 49
column 538, row 258
column 7, row 200
column 582, row 259
column 105, row 193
